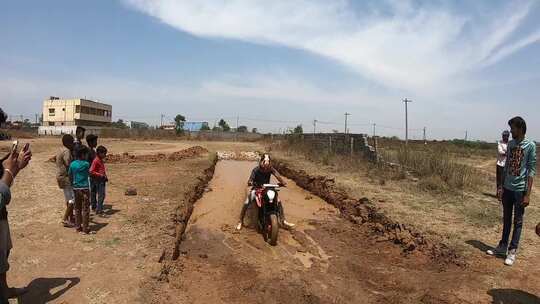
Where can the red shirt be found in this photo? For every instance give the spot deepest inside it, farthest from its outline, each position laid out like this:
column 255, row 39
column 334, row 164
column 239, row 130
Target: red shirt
column 98, row 168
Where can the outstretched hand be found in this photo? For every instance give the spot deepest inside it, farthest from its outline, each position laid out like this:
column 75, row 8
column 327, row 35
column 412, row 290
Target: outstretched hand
column 15, row 161
column 24, row 157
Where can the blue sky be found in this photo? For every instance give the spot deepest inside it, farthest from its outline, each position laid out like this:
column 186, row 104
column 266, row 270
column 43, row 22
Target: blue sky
column 467, row 65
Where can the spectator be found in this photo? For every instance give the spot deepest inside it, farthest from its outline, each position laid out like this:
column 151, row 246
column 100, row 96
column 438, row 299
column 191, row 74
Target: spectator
column 79, row 174
column 501, row 156
column 79, row 135
column 10, row 166
column 63, row 161
column 515, row 192
column 91, row 141
column 98, row 176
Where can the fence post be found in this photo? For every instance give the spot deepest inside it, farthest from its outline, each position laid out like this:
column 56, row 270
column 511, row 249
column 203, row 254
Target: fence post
column 352, row 147
column 330, row 139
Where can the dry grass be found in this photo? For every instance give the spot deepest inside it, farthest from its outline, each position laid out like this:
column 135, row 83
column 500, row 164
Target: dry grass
column 437, row 167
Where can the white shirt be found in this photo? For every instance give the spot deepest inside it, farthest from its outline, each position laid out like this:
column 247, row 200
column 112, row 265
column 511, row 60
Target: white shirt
column 501, row 153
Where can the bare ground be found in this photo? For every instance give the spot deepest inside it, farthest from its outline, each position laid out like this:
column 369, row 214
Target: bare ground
column 326, row 259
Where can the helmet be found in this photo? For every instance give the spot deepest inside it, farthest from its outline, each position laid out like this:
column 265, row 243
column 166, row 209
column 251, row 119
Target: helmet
column 265, row 162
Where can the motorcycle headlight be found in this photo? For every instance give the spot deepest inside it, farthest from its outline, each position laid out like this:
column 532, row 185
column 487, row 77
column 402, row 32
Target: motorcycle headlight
column 271, row 194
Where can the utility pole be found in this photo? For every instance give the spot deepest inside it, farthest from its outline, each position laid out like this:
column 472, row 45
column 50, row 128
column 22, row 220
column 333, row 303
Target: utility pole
column 466, row 134
column 406, row 101
column 374, row 125
column 425, row 142
column 314, row 126
column 237, row 122
column 162, row 116
column 346, row 116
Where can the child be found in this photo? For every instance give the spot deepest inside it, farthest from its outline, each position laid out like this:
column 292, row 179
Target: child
column 63, row 160
column 91, row 141
column 99, row 177
column 78, row 174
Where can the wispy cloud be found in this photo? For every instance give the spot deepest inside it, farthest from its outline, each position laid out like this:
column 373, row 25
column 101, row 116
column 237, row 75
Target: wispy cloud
column 406, row 45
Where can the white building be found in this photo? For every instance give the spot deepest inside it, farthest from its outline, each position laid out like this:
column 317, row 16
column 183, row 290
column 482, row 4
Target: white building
column 63, row 116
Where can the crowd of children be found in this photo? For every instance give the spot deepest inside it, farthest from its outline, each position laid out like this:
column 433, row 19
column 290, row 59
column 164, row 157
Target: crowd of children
column 82, row 176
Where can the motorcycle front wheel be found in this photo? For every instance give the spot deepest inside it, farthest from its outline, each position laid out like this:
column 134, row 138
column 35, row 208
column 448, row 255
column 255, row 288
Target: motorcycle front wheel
column 272, row 229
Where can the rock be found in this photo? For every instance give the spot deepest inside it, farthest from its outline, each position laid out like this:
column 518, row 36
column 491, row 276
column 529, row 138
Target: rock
column 538, row 229
column 203, row 256
column 131, row 191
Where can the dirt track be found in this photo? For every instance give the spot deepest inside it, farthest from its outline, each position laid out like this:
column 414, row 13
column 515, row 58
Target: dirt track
column 326, row 259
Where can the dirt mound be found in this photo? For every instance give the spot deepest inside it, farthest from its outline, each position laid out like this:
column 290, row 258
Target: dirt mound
column 130, row 158
column 362, row 211
column 179, row 155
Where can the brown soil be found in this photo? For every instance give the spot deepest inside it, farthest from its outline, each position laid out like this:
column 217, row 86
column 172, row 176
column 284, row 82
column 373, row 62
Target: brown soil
column 325, row 259
column 362, row 211
column 61, row 266
column 328, row 258
column 175, row 156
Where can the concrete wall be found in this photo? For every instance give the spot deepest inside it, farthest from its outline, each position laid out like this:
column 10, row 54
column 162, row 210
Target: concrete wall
column 60, row 130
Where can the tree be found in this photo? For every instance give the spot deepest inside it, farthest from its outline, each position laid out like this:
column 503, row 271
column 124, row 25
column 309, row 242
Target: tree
column 120, row 124
column 27, row 124
column 3, row 117
column 216, row 129
column 205, row 127
column 254, row 130
column 224, row 125
column 179, row 123
column 298, row 130
column 242, row 129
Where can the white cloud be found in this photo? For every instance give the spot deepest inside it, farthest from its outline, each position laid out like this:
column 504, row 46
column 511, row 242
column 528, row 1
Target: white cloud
column 412, row 46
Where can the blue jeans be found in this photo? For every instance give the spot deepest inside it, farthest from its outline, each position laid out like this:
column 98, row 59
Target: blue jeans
column 512, row 204
column 97, row 195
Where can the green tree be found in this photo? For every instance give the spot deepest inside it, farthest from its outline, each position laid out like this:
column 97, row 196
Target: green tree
column 224, row 125
column 298, row 130
column 205, row 127
column 120, row 124
column 27, row 124
column 3, row 116
column 242, row 129
column 179, row 121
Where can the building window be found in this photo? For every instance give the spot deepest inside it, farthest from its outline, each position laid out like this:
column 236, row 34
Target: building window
column 51, row 124
column 51, row 112
column 77, row 109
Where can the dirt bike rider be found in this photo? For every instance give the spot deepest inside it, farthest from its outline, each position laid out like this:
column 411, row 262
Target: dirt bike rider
column 259, row 176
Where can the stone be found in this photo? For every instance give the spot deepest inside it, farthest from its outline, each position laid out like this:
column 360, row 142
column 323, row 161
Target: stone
column 131, row 191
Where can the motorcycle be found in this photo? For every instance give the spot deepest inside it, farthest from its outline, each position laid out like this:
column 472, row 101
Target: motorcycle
column 270, row 212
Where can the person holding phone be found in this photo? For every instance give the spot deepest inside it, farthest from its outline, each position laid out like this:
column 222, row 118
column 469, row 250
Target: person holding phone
column 10, row 166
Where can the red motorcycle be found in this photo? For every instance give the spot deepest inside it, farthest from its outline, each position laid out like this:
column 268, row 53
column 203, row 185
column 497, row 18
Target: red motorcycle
column 270, row 212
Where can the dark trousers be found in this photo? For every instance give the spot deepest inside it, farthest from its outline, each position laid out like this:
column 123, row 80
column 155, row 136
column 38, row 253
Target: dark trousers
column 82, row 209
column 512, row 206
column 500, row 171
column 93, row 194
